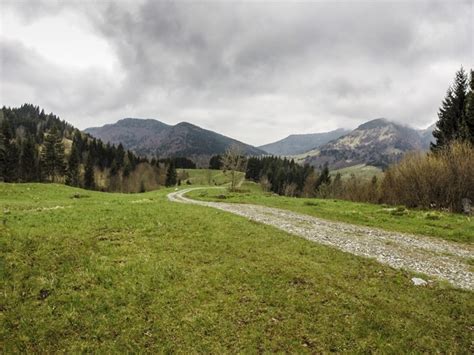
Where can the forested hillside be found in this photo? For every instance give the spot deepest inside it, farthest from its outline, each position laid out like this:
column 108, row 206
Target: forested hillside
column 40, row 147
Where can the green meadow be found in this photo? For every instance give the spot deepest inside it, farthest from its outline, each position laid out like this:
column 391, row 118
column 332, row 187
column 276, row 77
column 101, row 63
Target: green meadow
column 86, row 271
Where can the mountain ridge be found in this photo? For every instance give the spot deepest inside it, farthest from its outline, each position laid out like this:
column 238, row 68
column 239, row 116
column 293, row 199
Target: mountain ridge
column 301, row 143
column 151, row 137
column 378, row 142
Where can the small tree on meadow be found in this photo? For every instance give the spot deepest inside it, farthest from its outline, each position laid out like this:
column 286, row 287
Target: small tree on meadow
column 232, row 161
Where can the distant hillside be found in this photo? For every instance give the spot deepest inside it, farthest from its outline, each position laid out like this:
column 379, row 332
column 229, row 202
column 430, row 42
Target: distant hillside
column 378, row 143
column 40, row 147
column 150, row 137
column 301, row 143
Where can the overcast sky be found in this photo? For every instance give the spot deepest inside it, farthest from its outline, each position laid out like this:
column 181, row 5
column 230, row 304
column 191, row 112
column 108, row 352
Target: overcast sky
column 256, row 71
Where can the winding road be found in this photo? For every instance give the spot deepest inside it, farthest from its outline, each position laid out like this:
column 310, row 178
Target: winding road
column 434, row 257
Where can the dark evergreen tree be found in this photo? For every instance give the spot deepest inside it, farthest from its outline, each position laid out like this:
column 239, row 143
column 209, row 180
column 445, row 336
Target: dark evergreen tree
column 469, row 114
column 451, row 123
column 52, row 159
column 3, row 157
column 324, row 177
column 171, row 175
column 215, row 162
column 278, row 173
column 89, row 178
column 120, row 156
column 183, row 163
column 13, row 159
column 254, row 169
column 9, row 155
column 73, row 165
column 127, row 169
column 28, row 161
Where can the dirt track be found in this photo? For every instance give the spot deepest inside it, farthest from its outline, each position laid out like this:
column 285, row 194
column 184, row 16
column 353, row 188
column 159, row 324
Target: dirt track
column 433, row 257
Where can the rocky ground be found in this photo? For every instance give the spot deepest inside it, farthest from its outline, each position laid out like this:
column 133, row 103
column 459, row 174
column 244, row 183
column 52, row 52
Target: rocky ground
column 430, row 256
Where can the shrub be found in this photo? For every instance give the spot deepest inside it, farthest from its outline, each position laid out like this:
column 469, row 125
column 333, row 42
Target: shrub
column 439, row 180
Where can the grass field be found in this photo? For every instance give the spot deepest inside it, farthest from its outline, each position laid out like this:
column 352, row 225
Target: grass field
column 443, row 225
column 207, row 176
column 88, row 271
column 362, row 171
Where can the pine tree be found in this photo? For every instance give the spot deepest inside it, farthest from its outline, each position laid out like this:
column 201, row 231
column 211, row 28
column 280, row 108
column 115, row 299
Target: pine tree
column 89, row 179
column 324, row 177
column 9, row 154
column 469, row 114
column 120, row 156
column 52, row 157
column 171, row 175
column 215, row 162
column 28, row 160
column 451, row 123
column 459, row 102
column 13, row 157
column 3, row 157
column 72, row 171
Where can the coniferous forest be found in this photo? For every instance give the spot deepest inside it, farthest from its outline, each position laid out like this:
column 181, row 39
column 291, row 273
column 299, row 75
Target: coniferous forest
column 40, row 147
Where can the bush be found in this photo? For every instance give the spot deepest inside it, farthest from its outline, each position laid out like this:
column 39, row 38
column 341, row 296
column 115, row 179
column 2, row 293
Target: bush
column 434, row 180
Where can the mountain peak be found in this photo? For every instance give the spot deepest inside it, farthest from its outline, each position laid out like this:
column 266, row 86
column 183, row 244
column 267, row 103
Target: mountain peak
column 375, row 123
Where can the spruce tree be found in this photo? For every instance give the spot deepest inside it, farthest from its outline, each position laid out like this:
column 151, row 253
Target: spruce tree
column 171, row 175
column 89, row 179
column 72, row 171
column 460, row 96
column 28, row 160
column 469, row 114
column 451, row 123
column 3, row 157
column 9, row 154
column 324, row 177
column 52, row 155
column 13, row 157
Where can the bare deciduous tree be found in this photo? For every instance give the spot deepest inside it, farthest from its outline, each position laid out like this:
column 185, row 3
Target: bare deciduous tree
column 232, row 161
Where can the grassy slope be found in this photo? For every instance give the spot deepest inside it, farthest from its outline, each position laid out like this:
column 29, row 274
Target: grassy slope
column 448, row 226
column 136, row 272
column 362, row 171
column 202, row 176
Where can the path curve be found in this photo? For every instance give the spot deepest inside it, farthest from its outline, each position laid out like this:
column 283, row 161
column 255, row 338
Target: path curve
column 434, row 257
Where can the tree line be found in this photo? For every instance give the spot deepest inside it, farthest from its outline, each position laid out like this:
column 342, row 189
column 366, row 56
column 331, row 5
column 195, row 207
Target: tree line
column 39, row 147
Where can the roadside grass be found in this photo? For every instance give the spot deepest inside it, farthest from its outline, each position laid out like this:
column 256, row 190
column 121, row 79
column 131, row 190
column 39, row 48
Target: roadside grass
column 449, row 226
column 85, row 271
column 208, row 177
column 362, row 171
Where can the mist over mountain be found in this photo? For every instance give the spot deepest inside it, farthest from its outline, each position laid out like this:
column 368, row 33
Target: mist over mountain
column 378, row 142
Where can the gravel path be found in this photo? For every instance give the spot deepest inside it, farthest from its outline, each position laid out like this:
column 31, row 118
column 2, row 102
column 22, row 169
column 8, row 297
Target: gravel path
column 434, row 257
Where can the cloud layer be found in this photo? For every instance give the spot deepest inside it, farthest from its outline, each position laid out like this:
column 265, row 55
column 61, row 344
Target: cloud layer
column 256, row 71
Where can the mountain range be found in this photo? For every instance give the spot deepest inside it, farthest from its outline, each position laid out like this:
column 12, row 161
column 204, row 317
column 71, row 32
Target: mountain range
column 378, row 142
column 301, row 143
column 151, row 137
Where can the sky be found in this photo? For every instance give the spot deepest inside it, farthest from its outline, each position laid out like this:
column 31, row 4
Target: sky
column 255, row 71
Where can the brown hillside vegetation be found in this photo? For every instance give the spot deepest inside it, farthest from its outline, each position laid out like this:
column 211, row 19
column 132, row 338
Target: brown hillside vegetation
column 438, row 180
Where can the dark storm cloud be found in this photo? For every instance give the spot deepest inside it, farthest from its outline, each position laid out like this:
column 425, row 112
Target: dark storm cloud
column 260, row 71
